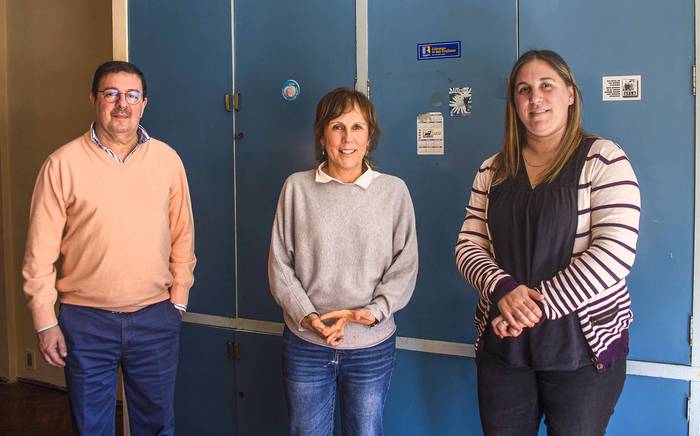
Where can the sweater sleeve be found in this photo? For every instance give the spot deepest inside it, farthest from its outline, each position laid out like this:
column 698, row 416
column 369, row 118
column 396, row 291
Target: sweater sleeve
column 285, row 286
column 47, row 219
column 399, row 280
column 615, row 208
column 182, row 257
column 472, row 253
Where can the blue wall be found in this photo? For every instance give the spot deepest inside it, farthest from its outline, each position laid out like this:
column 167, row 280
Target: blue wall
column 185, row 48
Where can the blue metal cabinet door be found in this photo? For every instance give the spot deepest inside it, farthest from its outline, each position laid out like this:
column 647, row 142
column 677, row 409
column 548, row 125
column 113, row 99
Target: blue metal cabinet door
column 403, row 87
column 261, row 403
column 184, row 49
column 205, row 394
column 654, row 40
column 312, row 42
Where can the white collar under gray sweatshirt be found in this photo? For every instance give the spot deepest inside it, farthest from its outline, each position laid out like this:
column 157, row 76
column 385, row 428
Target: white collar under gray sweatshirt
column 341, row 245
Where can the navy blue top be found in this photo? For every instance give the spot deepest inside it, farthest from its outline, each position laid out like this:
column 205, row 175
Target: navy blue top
column 533, row 232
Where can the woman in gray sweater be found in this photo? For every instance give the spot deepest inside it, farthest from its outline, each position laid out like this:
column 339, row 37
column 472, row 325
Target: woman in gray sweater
column 343, row 259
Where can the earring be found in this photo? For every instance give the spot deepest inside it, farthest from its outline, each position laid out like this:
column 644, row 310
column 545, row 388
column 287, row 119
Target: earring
column 571, row 100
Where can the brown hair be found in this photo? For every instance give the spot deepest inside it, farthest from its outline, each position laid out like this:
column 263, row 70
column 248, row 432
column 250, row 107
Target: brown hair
column 335, row 104
column 507, row 161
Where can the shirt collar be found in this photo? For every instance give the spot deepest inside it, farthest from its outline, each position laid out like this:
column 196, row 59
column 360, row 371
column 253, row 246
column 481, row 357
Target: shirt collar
column 363, row 181
column 141, row 136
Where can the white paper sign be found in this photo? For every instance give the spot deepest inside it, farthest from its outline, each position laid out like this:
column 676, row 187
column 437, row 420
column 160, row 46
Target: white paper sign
column 430, row 131
column 461, row 101
column 616, row 88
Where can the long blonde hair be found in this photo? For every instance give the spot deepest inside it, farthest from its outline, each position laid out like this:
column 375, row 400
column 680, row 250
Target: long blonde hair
column 507, row 161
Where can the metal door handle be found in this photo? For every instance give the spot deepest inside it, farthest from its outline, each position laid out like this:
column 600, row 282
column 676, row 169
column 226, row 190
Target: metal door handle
column 227, row 101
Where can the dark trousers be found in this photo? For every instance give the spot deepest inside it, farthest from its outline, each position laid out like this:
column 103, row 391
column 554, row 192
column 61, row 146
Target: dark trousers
column 145, row 343
column 574, row 403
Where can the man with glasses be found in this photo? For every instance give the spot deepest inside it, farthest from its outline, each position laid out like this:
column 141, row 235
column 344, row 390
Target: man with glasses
column 111, row 236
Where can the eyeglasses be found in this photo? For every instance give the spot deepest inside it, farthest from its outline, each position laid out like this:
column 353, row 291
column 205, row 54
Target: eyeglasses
column 131, row 96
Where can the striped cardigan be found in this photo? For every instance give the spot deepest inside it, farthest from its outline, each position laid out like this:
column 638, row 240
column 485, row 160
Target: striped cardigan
column 593, row 285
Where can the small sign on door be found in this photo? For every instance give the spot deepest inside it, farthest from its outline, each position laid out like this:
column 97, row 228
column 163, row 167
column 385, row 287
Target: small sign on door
column 430, row 132
column 439, row 50
column 616, row 88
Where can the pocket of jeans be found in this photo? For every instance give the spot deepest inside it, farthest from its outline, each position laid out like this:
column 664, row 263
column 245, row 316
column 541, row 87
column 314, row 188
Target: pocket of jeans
column 61, row 308
column 174, row 311
column 179, row 314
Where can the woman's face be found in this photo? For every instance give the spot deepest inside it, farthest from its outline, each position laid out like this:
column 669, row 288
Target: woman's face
column 542, row 100
column 345, row 140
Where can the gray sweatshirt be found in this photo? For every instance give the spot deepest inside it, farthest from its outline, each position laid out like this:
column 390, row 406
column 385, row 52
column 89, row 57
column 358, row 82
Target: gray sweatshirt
column 341, row 246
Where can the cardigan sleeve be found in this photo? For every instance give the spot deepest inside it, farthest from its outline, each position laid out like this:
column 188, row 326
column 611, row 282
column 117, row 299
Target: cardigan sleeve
column 472, row 252
column 285, row 286
column 399, row 280
column 614, row 209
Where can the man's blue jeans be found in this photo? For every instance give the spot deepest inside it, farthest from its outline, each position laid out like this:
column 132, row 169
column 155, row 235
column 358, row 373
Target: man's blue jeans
column 145, row 343
column 313, row 374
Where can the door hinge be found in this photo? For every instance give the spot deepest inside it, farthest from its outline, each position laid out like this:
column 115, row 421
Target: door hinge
column 687, row 408
column 369, row 87
column 690, row 332
column 694, row 78
column 232, row 351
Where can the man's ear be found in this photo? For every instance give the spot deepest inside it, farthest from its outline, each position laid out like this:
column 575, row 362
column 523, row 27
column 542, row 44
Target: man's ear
column 143, row 108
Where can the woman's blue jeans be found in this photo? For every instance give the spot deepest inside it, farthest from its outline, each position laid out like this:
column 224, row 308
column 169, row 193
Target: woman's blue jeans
column 313, row 374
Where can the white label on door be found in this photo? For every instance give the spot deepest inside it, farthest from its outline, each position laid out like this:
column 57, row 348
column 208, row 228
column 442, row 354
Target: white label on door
column 461, row 101
column 430, row 131
column 617, row 88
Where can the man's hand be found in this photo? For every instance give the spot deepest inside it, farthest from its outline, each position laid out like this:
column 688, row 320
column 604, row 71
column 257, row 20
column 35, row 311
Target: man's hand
column 52, row 345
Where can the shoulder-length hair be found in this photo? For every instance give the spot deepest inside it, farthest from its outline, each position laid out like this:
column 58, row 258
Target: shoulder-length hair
column 507, row 161
column 335, row 104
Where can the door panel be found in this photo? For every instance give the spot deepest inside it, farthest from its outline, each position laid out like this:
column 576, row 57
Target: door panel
column 655, row 40
column 261, row 403
column 205, row 394
column 314, row 44
column 442, row 306
column 189, row 71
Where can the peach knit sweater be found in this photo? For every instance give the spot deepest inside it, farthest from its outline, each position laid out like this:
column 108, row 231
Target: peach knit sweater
column 108, row 235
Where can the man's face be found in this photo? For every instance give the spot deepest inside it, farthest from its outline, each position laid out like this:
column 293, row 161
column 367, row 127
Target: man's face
column 120, row 116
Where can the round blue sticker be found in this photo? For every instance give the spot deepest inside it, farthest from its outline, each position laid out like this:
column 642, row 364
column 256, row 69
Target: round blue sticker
column 291, row 90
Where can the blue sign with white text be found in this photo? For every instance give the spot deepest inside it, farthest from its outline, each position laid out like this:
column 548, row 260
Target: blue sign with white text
column 439, row 50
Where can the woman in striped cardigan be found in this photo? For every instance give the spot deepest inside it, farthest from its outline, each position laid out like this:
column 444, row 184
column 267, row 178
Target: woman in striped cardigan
column 548, row 239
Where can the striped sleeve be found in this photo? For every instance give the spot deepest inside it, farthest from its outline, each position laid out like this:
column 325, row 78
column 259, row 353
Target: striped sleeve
column 613, row 212
column 473, row 254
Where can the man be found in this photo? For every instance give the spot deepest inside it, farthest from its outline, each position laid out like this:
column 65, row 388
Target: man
column 111, row 235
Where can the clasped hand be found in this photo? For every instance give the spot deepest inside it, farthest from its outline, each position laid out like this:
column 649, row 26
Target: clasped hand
column 333, row 331
column 519, row 310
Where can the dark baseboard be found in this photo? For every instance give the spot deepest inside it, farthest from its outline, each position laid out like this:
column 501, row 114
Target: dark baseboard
column 41, row 384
